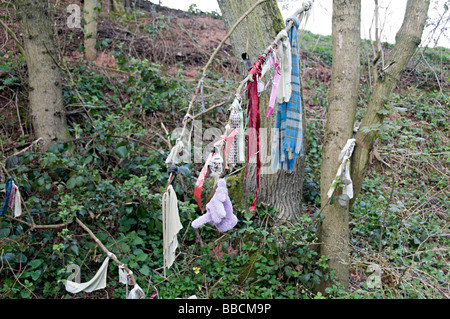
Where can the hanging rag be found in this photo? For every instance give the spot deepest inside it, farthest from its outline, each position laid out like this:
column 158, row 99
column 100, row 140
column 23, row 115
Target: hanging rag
column 254, row 121
column 288, row 136
column 174, row 156
column 219, row 210
column 17, row 202
column 237, row 152
column 286, row 59
column 213, row 155
column 123, row 275
column 343, row 173
column 171, row 226
column 275, row 78
column 134, row 292
column 97, row 282
column 13, row 199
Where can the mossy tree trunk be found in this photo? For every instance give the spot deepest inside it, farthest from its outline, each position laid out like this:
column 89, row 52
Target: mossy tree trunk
column 45, row 89
column 281, row 189
column 407, row 40
column 342, row 100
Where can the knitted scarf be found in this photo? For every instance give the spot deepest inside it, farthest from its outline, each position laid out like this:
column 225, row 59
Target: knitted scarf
column 288, row 138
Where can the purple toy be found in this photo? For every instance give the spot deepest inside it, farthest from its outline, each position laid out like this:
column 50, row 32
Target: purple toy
column 219, row 211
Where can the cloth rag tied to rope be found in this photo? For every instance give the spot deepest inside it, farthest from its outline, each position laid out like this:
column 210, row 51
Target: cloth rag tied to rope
column 275, row 66
column 254, row 122
column 237, row 152
column 343, row 172
column 171, row 226
column 285, row 56
column 13, row 199
column 288, row 136
column 97, row 282
column 201, row 178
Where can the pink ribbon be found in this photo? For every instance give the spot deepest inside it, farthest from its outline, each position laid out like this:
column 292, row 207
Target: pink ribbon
column 229, row 141
column 201, row 178
column 275, row 81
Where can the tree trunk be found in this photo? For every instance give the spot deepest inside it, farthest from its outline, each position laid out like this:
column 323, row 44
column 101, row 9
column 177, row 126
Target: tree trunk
column 45, row 90
column 342, row 100
column 118, row 5
column 90, row 35
column 281, row 189
column 406, row 42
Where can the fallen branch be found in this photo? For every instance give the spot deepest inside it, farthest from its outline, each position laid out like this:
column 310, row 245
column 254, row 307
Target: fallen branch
column 106, row 251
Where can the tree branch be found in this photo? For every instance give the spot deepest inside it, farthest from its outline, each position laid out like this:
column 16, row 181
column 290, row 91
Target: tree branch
column 13, row 35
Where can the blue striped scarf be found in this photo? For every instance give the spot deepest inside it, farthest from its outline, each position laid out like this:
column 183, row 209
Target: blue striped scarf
column 8, row 187
column 288, row 136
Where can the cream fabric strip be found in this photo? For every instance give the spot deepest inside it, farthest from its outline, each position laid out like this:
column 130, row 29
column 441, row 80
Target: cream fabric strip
column 171, row 226
column 97, row 282
column 285, row 60
column 343, row 172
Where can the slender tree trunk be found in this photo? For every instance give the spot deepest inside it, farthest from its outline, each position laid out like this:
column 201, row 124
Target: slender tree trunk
column 118, row 5
column 45, row 90
column 406, row 42
column 90, row 36
column 281, row 189
column 342, row 100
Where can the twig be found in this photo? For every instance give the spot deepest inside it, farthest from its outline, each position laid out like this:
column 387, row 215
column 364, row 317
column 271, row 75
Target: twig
column 209, row 109
column 113, row 257
column 13, row 35
column 305, row 7
column 435, row 75
column 18, row 113
column 194, row 96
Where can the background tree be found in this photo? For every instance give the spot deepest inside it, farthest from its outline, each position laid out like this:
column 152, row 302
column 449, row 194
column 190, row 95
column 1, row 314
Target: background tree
column 342, row 100
column 341, row 116
column 407, row 40
column 90, row 36
column 252, row 36
column 45, row 90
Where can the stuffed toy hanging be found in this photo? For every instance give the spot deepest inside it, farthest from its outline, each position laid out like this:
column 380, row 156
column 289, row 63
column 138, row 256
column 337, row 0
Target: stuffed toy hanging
column 219, row 210
column 215, row 163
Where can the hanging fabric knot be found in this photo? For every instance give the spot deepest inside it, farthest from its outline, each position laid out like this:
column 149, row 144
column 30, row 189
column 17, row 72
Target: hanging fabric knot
column 237, row 152
column 274, row 77
column 284, row 51
column 214, row 158
column 343, row 173
column 171, row 226
column 174, row 156
column 216, row 165
column 228, row 142
column 173, row 170
column 254, row 122
column 12, row 200
column 187, row 117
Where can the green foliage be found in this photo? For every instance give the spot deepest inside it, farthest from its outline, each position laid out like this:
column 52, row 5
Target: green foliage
column 257, row 259
column 194, row 10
